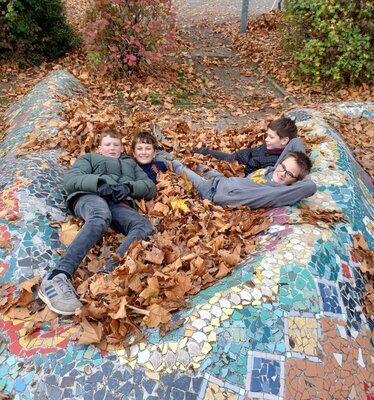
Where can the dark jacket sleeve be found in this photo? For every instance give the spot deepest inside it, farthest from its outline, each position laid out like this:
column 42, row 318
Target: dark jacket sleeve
column 215, row 154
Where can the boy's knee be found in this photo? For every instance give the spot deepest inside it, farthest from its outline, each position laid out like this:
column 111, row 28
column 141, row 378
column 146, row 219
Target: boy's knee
column 102, row 218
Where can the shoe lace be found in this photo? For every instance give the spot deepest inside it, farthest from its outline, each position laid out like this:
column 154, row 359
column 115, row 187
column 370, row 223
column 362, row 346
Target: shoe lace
column 66, row 287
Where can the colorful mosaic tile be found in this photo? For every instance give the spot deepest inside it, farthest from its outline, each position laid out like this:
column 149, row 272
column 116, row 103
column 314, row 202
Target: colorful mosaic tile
column 287, row 324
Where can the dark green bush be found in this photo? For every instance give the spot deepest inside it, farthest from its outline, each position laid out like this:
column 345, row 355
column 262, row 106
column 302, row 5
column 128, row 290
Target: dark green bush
column 332, row 39
column 33, row 28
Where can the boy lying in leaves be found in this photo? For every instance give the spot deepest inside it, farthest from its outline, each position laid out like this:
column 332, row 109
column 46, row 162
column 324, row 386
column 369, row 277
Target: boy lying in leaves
column 277, row 186
column 144, row 148
column 101, row 190
column 279, row 133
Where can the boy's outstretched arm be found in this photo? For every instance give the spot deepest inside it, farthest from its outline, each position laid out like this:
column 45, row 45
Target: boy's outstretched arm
column 214, row 153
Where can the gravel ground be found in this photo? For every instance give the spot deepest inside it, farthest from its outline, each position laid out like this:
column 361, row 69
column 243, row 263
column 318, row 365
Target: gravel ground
column 190, row 12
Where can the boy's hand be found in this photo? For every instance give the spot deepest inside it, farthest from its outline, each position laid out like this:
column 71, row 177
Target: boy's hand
column 204, row 151
column 105, row 190
column 121, row 192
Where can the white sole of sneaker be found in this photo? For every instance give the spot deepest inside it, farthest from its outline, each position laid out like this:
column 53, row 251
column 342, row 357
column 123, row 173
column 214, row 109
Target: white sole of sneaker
column 48, row 303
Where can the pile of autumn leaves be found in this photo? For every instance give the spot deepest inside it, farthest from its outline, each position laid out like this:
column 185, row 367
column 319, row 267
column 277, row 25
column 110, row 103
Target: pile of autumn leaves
column 195, row 244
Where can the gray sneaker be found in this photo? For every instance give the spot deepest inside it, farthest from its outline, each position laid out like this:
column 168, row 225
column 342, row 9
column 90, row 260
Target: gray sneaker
column 59, row 295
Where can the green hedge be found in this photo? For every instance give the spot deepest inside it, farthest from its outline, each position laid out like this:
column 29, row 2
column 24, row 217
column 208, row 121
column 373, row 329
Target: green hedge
column 34, row 28
column 332, row 39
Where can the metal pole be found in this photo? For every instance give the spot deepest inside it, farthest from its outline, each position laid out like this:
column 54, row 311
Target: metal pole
column 245, row 8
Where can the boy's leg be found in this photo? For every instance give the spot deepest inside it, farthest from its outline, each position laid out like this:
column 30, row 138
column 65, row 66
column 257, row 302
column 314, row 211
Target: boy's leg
column 95, row 211
column 56, row 289
column 128, row 221
column 203, row 186
column 209, row 173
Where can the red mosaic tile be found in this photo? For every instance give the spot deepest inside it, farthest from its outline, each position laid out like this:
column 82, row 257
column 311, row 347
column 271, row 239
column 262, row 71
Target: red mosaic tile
column 346, row 271
column 369, row 389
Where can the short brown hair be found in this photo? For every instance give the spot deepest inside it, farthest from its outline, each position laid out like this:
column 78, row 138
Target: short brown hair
column 109, row 132
column 302, row 160
column 144, row 137
column 284, row 127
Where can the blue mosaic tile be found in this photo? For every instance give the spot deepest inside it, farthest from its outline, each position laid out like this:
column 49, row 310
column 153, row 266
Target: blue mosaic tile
column 330, row 298
column 265, row 376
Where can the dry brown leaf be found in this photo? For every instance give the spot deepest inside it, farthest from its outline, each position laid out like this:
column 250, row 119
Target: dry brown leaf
column 157, row 315
column 92, row 332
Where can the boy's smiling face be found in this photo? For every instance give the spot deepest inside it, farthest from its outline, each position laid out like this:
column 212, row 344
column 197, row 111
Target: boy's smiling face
column 110, row 147
column 144, row 153
column 273, row 141
column 287, row 172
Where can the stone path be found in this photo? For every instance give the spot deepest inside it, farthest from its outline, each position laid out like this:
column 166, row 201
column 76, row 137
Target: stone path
column 190, row 12
column 235, row 85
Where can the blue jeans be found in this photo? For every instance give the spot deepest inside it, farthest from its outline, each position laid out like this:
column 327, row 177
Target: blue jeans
column 99, row 215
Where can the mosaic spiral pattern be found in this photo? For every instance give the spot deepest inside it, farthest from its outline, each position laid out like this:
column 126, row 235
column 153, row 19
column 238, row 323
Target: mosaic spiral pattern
column 287, row 324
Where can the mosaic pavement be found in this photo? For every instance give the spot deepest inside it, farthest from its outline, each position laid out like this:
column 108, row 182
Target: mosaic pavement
column 287, row 324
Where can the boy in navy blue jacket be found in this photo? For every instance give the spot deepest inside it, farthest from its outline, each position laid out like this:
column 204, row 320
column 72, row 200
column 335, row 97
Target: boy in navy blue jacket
column 279, row 133
column 144, row 149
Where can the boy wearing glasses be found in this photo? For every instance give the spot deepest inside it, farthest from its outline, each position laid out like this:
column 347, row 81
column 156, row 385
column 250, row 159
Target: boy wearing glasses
column 280, row 133
column 277, row 186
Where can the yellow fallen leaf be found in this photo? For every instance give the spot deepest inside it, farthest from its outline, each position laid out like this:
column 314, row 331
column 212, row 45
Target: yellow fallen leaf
column 180, row 204
column 68, row 233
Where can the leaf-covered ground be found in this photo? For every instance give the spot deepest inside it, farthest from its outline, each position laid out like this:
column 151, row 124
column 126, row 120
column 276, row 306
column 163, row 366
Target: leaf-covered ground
column 196, row 242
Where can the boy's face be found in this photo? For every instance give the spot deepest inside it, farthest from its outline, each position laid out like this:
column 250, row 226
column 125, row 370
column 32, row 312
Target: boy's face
column 287, row 172
column 110, row 147
column 144, row 153
column 273, row 141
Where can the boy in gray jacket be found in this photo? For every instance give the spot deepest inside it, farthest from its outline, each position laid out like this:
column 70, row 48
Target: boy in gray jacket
column 277, row 186
column 101, row 189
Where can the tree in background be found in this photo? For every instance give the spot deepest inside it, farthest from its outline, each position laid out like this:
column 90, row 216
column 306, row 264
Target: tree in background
column 31, row 29
column 124, row 36
column 332, row 39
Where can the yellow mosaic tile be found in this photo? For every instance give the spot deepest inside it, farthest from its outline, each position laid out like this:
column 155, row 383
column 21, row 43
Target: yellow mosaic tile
column 212, row 337
column 208, row 329
column 149, row 365
column 215, row 392
column 206, row 348
column 303, row 335
column 164, row 348
column 214, row 300
column 122, row 361
column 173, row 347
column 182, row 343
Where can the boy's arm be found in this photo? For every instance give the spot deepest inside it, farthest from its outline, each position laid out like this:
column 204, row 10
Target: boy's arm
column 294, row 144
column 80, row 177
column 141, row 186
column 214, row 153
column 265, row 196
